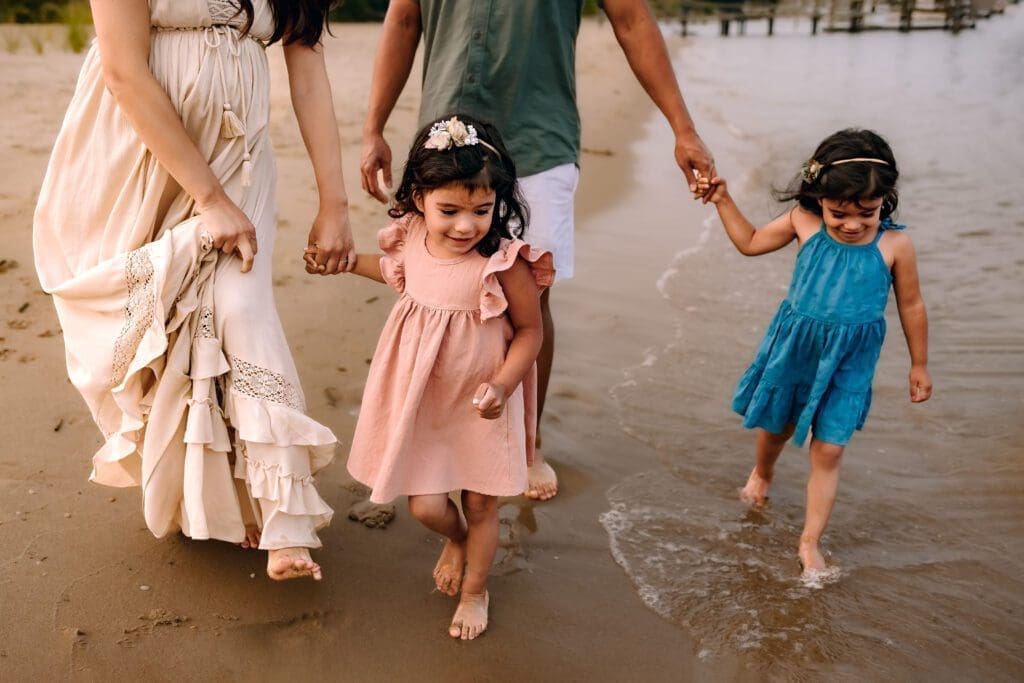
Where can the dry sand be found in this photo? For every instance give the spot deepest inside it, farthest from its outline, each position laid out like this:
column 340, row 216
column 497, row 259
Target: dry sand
column 87, row 593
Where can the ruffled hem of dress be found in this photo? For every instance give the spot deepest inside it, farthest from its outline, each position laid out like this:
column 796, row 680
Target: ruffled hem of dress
column 771, row 407
column 294, row 494
column 492, row 297
column 264, row 422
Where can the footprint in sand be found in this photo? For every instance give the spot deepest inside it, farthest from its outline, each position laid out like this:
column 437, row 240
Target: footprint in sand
column 372, row 515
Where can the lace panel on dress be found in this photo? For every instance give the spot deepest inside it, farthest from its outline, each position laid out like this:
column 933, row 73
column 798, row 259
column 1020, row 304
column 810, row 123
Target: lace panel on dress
column 226, row 13
column 205, row 328
column 264, row 384
column 138, row 311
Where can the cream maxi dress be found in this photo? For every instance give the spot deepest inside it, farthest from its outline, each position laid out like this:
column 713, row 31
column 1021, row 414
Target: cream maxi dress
column 181, row 357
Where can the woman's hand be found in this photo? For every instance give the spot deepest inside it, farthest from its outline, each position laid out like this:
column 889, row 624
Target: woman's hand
column 330, row 249
column 489, row 400
column 229, row 229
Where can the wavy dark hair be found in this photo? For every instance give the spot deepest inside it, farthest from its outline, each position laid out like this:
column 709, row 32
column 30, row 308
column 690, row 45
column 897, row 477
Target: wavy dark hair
column 850, row 182
column 295, row 21
column 474, row 167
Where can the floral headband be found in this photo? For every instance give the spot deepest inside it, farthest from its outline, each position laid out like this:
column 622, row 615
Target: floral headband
column 454, row 133
column 812, row 169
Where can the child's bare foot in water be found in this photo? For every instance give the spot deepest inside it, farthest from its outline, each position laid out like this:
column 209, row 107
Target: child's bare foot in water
column 755, row 492
column 811, row 559
column 450, row 568
column 252, row 537
column 542, row 482
column 292, row 563
column 470, row 618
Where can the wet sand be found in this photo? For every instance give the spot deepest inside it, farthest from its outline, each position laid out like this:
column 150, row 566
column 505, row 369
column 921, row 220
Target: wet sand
column 87, row 593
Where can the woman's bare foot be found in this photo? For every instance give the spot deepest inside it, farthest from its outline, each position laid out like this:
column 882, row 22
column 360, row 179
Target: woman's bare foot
column 755, row 492
column 470, row 618
column 252, row 537
column 292, row 563
column 542, row 482
column 811, row 559
column 450, row 568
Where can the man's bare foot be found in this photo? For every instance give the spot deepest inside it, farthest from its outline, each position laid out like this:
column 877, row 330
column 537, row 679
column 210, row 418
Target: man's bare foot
column 292, row 563
column 542, row 482
column 470, row 618
column 755, row 492
column 252, row 537
column 450, row 568
column 811, row 559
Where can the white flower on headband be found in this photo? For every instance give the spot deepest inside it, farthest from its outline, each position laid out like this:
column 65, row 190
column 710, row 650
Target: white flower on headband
column 810, row 170
column 451, row 133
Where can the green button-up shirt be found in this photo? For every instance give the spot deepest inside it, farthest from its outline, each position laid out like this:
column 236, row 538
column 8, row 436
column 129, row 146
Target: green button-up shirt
column 509, row 62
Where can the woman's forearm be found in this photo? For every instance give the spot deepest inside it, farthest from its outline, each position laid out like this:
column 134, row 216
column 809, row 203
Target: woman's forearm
column 314, row 111
column 123, row 33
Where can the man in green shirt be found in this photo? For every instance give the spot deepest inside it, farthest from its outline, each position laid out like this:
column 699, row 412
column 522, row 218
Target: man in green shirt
column 512, row 63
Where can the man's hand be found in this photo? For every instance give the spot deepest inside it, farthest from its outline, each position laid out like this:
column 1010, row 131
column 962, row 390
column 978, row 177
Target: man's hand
column 376, row 159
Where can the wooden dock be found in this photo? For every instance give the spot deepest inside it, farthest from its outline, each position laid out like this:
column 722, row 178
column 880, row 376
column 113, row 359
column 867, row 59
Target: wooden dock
column 840, row 15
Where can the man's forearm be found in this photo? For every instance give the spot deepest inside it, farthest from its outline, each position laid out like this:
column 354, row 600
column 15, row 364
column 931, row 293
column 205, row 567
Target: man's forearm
column 641, row 40
column 400, row 36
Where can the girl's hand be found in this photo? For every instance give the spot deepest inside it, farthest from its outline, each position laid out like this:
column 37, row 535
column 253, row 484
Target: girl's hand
column 330, row 249
column 489, row 400
column 710, row 189
column 229, row 229
column 920, row 384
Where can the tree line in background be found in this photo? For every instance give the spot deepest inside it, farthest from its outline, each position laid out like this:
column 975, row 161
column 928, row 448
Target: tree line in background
column 65, row 11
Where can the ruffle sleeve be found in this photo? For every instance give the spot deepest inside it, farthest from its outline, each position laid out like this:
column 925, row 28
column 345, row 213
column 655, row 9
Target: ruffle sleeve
column 889, row 224
column 492, row 297
column 392, row 241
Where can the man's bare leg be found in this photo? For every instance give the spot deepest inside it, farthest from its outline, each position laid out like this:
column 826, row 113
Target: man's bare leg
column 542, row 480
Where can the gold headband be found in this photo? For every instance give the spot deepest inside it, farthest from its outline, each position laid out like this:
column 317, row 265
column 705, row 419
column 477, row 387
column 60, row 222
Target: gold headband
column 812, row 169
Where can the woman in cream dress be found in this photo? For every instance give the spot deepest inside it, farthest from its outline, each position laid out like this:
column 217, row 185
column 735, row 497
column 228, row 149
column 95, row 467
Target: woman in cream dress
column 155, row 233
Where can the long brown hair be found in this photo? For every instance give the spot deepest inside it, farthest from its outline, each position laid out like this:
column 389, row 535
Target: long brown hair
column 295, row 21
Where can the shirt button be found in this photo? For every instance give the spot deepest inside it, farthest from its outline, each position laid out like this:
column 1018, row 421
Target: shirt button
column 471, row 78
column 476, row 35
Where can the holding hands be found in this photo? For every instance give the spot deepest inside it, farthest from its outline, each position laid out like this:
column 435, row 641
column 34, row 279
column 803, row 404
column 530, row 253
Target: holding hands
column 489, row 400
column 710, row 188
column 330, row 249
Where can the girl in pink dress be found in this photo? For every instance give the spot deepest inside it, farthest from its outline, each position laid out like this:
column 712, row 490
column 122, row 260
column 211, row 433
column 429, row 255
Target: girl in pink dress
column 450, row 401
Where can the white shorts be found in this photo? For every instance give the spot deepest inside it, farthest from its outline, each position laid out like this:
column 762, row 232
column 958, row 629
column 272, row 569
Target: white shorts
column 550, row 195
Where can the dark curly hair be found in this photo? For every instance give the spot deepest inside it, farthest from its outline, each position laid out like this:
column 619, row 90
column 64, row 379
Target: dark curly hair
column 474, row 167
column 849, row 182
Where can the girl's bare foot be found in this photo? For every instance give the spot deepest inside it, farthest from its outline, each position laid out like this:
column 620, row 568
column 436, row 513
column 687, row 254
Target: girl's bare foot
column 811, row 559
column 292, row 563
column 755, row 492
column 470, row 618
column 542, row 482
column 450, row 568
column 252, row 537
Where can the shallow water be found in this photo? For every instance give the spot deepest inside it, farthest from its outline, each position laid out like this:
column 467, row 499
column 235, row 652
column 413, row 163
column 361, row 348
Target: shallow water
column 927, row 532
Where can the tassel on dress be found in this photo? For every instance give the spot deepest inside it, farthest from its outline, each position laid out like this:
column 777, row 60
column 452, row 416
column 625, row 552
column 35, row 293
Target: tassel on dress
column 230, row 125
column 246, row 170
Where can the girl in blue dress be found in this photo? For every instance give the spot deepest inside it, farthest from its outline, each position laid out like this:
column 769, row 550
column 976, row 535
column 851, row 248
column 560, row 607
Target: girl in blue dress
column 813, row 370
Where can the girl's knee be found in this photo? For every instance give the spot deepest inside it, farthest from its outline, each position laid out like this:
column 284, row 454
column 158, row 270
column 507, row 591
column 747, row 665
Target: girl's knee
column 428, row 509
column 826, row 455
column 478, row 506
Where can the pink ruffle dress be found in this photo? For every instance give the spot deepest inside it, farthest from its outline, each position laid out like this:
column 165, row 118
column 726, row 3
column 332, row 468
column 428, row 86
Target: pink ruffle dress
column 418, row 431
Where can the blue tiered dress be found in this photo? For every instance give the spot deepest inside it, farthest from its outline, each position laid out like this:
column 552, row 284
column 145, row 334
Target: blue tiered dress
column 816, row 362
